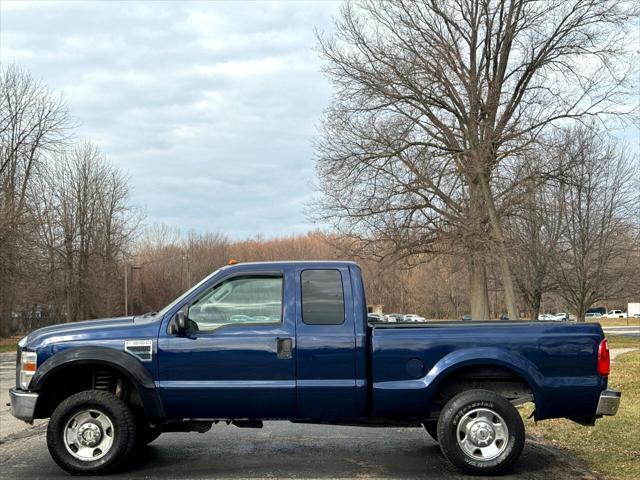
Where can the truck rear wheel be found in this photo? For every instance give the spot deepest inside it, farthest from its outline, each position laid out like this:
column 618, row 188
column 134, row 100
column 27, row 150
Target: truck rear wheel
column 480, row 432
column 91, row 433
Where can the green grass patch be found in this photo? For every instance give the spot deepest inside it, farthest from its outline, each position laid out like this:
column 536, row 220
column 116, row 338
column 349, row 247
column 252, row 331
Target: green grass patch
column 611, row 448
column 618, row 341
column 616, row 322
column 8, row 347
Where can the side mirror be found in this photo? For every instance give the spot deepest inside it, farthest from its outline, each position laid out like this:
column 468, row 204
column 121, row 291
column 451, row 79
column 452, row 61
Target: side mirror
column 180, row 321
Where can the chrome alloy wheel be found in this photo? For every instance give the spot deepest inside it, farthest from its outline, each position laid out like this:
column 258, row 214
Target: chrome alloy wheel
column 482, row 434
column 88, row 435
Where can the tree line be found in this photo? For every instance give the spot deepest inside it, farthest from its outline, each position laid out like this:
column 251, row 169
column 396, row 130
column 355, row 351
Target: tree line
column 66, row 222
column 167, row 262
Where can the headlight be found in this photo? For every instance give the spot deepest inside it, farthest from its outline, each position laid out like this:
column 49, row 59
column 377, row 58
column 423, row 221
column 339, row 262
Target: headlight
column 28, row 366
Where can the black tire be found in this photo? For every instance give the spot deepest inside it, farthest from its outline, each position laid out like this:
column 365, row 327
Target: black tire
column 145, row 434
column 124, row 432
column 432, row 428
column 468, row 402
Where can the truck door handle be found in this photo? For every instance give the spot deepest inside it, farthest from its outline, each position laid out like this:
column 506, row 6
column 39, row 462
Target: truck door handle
column 285, row 348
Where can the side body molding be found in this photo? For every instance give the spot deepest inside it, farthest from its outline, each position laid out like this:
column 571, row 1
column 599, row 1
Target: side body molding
column 125, row 363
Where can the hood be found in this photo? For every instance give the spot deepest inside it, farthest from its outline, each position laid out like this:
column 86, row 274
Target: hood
column 100, row 328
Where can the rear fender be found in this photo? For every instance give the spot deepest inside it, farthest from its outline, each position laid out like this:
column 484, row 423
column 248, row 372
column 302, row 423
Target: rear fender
column 470, row 357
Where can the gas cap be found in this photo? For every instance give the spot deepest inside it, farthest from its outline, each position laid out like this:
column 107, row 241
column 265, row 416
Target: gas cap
column 415, row 368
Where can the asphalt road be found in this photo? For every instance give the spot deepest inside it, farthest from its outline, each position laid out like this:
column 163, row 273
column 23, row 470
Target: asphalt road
column 630, row 331
column 284, row 450
column 280, row 450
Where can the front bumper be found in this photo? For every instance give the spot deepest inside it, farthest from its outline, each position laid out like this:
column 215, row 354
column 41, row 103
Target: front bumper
column 23, row 404
column 609, row 402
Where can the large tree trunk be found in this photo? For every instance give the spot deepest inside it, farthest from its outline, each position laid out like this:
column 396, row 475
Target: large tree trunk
column 503, row 258
column 478, row 292
column 581, row 311
column 475, row 244
column 535, row 306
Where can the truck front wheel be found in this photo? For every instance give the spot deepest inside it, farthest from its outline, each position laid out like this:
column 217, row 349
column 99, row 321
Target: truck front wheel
column 91, row 433
column 480, row 432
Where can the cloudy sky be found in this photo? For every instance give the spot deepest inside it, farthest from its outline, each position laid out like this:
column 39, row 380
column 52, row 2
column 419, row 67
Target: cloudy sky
column 210, row 107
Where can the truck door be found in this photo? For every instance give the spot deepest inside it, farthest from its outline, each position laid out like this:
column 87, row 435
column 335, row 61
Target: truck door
column 325, row 344
column 237, row 360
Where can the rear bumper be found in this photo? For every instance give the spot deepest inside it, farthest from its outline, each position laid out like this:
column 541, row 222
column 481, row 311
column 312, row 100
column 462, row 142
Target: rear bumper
column 609, row 402
column 23, row 404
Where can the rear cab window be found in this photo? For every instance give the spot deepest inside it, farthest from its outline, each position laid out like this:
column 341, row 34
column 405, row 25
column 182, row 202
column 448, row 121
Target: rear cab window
column 322, row 297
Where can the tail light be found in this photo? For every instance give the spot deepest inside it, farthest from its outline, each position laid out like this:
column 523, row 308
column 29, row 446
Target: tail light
column 604, row 360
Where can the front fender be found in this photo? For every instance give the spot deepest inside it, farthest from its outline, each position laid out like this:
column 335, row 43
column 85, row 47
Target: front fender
column 125, row 363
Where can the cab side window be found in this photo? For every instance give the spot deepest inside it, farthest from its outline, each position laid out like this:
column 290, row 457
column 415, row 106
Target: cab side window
column 322, row 297
column 239, row 300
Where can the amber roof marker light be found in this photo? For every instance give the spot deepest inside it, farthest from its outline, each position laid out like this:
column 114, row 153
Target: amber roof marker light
column 232, row 261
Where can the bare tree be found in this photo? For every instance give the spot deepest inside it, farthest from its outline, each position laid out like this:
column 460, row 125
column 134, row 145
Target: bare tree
column 599, row 206
column 436, row 99
column 534, row 233
column 86, row 227
column 33, row 125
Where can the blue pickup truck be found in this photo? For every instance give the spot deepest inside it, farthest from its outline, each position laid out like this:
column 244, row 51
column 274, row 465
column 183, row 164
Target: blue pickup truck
column 291, row 341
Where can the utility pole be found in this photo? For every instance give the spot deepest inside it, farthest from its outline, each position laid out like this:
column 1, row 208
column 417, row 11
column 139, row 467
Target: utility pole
column 128, row 267
column 188, row 271
column 126, row 290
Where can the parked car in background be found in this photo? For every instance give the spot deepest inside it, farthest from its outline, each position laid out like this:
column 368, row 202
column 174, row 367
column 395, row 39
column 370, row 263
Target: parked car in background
column 414, row 317
column 616, row 314
column 397, row 317
column 596, row 311
column 390, row 318
column 593, row 315
column 548, row 317
column 374, row 317
column 466, row 318
column 562, row 316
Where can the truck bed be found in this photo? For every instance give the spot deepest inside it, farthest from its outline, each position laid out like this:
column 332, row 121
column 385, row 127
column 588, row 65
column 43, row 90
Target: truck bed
column 558, row 361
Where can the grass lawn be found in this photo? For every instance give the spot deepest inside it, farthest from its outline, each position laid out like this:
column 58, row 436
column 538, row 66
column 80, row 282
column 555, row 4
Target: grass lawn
column 9, row 344
column 616, row 322
column 8, row 347
column 618, row 341
column 612, row 447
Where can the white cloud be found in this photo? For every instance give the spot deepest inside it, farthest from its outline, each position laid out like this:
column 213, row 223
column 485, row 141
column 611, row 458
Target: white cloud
column 209, row 106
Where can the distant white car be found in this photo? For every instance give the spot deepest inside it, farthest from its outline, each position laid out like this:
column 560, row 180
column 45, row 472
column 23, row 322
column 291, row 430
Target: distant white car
column 390, row 318
column 412, row 317
column 563, row 316
column 549, row 317
column 616, row 314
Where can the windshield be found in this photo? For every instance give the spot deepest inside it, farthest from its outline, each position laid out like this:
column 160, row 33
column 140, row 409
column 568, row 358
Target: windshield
column 162, row 312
